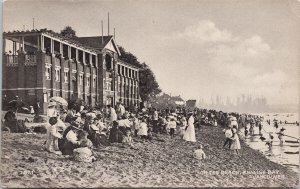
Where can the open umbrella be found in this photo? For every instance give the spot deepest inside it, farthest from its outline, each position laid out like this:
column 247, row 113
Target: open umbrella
column 17, row 104
column 59, row 100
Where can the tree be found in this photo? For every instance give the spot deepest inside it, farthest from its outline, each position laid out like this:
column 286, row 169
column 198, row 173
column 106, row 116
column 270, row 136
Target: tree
column 147, row 82
column 68, row 32
column 129, row 57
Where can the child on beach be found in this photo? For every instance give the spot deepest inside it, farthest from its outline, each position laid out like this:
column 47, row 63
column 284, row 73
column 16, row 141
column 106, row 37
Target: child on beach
column 269, row 142
column 52, row 137
column 128, row 139
column 84, row 152
column 143, row 129
column 171, row 126
column 235, row 145
column 199, row 153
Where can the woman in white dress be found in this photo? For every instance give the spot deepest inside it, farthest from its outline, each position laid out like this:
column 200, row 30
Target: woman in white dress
column 235, row 145
column 189, row 134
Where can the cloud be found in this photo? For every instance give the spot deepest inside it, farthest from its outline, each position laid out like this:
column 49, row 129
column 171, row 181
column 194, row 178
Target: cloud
column 204, row 31
column 217, row 62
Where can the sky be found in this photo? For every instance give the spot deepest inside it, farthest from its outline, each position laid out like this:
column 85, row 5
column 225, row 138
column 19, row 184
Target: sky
column 196, row 48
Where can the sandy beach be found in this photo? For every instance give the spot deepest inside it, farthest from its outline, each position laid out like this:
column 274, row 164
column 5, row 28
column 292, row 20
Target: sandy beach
column 167, row 163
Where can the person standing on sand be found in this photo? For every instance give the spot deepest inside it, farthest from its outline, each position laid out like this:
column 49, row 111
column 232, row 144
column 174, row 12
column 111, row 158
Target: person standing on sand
column 183, row 126
column 172, row 126
column 228, row 134
column 280, row 136
column 112, row 114
column 189, row 134
column 52, row 137
column 143, row 129
column 235, row 145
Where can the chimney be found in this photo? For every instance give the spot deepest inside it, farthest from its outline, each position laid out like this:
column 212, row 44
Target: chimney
column 114, row 33
column 108, row 25
column 102, row 31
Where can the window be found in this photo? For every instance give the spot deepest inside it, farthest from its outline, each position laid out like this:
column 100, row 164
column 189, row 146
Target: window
column 66, row 76
column 80, row 79
column 94, row 81
column 119, row 69
column 129, row 72
column 48, row 73
column 88, row 81
column 57, row 74
column 108, row 86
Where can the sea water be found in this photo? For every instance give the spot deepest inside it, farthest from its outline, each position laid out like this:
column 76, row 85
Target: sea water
column 277, row 153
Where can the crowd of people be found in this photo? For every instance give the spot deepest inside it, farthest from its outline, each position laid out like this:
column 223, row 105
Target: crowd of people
column 78, row 130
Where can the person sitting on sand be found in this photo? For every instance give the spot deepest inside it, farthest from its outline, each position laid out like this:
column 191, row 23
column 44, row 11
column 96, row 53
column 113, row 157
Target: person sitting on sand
column 115, row 134
column 199, row 153
column 99, row 122
column 128, row 139
column 84, row 153
column 70, row 141
column 52, row 137
column 235, row 145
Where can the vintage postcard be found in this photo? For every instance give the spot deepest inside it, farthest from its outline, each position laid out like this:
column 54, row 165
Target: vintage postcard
column 150, row 93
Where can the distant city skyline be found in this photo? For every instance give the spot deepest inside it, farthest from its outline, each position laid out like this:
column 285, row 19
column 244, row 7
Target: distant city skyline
column 196, row 49
column 246, row 103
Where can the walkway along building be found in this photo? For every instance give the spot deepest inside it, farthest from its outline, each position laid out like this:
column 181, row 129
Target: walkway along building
column 42, row 64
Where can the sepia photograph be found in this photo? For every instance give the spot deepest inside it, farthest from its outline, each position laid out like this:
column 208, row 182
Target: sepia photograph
column 150, row 93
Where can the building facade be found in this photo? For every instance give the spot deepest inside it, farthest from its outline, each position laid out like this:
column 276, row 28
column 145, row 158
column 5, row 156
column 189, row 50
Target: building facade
column 40, row 64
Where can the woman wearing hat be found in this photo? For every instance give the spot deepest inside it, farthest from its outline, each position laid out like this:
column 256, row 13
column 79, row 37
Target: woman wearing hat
column 51, row 110
column 189, row 134
column 70, row 141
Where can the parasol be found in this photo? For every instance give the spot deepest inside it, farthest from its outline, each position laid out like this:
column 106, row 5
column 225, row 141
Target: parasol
column 59, row 100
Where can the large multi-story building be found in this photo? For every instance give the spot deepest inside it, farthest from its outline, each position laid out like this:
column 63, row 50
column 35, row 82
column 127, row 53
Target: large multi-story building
column 41, row 64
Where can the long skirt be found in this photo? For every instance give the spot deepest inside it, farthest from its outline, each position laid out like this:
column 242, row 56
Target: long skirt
column 189, row 134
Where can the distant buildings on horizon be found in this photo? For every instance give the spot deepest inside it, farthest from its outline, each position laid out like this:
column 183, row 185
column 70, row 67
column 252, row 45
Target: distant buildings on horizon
column 246, row 104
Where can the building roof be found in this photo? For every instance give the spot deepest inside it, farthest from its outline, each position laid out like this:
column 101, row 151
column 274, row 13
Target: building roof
column 128, row 64
column 177, row 98
column 95, row 41
column 51, row 33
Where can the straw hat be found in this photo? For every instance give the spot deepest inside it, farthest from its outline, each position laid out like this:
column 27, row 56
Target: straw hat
column 51, row 104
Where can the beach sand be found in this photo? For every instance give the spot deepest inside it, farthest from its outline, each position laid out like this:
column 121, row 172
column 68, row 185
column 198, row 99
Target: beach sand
column 154, row 163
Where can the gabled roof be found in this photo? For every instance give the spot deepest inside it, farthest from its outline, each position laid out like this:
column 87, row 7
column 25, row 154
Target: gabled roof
column 177, row 98
column 96, row 42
